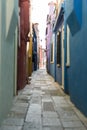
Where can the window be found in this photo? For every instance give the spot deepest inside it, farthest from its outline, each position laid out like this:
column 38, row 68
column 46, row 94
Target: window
column 52, row 49
column 68, row 47
column 59, row 49
column 52, row 52
column 46, row 31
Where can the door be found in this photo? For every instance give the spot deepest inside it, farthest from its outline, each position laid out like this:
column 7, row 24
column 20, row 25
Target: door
column 63, row 56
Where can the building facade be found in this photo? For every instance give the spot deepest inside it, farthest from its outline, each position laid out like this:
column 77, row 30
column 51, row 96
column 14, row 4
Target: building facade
column 69, row 67
column 22, row 48
column 76, row 49
column 36, row 45
column 59, row 44
column 8, row 54
column 49, row 31
column 55, row 41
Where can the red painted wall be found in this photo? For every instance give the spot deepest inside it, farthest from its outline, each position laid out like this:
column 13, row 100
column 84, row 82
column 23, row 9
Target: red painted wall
column 24, row 30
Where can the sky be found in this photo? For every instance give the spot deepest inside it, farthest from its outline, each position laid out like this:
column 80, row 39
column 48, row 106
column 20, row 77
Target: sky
column 39, row 13
column 40, row 9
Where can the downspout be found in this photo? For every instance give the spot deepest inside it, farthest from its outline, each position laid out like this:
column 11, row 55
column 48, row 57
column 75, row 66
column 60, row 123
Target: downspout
column 55, row 58
column 65, row 52
column 65, row 47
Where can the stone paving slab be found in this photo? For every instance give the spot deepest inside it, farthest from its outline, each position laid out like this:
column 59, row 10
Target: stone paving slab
column 58, row 106
column 66, row 114
column 33, row 121
column 46, row 97
column 11, row 128
column 16, row 114
column 36, row 100
column 28, row 128
column 26, row 92
column 53, row 128
column 34, row 108
column 44, row 88
column 13, row 121
column 50, row 114
column 19, row 109
column 48, row 106
column 51, row 122
column 20, row 104
column 72, row 124
column 33, row 124
column 59, row 100
column 69, row 118
column 75, row 129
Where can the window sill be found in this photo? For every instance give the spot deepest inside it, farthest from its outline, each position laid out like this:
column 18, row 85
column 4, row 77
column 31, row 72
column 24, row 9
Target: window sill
column 52, row 62
column 58, row 65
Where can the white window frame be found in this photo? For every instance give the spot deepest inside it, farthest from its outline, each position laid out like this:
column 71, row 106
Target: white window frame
column 52, row 45
column 68, row 47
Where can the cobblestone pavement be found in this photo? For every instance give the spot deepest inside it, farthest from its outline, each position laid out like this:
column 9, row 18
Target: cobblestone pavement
column 42, row 105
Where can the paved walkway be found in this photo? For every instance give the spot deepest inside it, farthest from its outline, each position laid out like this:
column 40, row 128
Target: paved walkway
column 42, row 105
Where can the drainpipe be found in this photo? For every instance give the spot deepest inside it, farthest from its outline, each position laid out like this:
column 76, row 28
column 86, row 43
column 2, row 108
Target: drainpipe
column 65, row 49
column 55, row 59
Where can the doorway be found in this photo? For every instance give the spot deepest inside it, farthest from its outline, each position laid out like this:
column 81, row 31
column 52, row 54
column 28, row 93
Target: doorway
column 62, row 42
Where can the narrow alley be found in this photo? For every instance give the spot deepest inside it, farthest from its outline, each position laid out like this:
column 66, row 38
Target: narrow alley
column 43, row 69
column 42, row 105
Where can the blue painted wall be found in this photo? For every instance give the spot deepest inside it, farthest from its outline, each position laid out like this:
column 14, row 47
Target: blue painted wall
column 59, row 75
column 75, row 13
column 52, row 69
column 77, row 72
column 55, row 71
column 57, row 26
